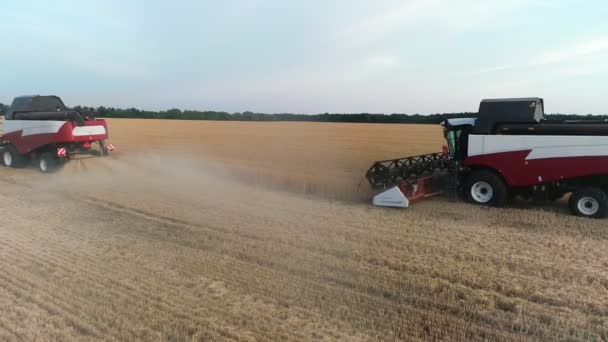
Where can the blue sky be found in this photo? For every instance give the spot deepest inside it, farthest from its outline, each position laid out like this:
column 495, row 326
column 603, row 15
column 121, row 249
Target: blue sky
column 307, row 56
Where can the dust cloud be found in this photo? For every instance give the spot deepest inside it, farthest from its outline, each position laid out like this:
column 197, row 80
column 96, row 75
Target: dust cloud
column 171, row 177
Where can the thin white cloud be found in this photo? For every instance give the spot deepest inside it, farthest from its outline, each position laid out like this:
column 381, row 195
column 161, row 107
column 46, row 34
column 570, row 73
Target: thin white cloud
column 494, row 69
column 572, row 53
column 384, row 61
column 390, row 21
column 106, row 67
column 442, row 15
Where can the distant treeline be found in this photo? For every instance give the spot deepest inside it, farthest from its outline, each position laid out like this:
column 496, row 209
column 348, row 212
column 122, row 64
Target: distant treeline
column 177, row 114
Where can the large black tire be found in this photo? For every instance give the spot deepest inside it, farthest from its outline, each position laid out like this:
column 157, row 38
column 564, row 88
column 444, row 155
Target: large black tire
column 589, row 202
column 12, row 158
column 485, row 187
column 48, row 162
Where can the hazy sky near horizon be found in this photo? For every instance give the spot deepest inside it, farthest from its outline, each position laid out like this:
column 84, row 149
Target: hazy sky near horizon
column 307, row 56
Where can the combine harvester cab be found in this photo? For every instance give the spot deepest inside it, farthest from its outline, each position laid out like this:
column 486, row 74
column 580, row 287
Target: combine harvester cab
column 41, row 128
column 508, row 150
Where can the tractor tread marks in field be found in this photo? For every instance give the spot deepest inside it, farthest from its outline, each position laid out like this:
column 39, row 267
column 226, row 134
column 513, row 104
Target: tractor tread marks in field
column 181, row 222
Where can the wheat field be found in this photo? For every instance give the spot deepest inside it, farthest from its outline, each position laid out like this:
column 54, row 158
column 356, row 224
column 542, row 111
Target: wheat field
column 262, row 231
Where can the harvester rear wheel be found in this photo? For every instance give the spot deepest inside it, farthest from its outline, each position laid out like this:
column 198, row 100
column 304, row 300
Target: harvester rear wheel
column 12, row 158
column 589, row 202
column 484, row 187
column 47, row 162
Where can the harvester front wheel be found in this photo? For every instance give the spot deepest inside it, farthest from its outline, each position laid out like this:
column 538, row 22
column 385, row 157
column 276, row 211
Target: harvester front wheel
column 485, row 188
column 12, row 158
column 589, row 202
column 47, row 162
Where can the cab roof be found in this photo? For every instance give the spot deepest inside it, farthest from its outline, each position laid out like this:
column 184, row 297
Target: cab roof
column 37, row 103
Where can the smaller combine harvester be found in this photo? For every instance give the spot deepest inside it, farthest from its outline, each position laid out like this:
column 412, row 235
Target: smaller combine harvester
column 508, row 150
column 42, row 129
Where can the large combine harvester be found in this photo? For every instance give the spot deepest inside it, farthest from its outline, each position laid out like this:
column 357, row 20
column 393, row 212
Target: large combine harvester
column 41, row 129
column 508, row 150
